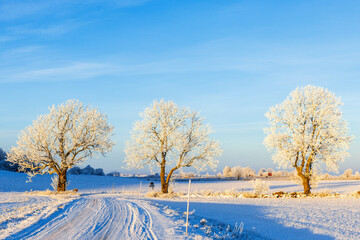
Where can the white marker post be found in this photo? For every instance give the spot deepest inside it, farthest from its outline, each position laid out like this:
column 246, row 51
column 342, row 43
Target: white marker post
column 139, row 191
column 187, row 212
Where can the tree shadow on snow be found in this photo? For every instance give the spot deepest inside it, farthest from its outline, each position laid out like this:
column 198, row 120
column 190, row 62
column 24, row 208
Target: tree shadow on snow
column 254, row 218
column 339, row 184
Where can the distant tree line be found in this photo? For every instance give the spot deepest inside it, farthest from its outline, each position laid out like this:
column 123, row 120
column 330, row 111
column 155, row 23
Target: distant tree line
column 88, row 170
column 6, row 165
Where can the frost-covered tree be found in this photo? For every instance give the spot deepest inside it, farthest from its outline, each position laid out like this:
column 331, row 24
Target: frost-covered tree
column 262, row 172
column 326, row 176
column 227, row 171
column 187, row 175
column 348, row 173
column 237, row 172
column 247, row 171
column 68, row 135
column 170, row 136
column 308, row 129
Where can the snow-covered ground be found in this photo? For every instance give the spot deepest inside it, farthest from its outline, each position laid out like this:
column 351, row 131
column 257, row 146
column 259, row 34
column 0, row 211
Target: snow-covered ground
column 282, row 218
column 339, row 186
column 98, row 216
column 19, row 211
column 108, row 207
column 90, row 183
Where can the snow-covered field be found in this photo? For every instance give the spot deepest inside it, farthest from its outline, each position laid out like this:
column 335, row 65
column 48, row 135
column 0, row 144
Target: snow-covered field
column 109, row 207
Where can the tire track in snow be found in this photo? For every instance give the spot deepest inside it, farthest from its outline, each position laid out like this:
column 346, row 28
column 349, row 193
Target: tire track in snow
column 95, row 217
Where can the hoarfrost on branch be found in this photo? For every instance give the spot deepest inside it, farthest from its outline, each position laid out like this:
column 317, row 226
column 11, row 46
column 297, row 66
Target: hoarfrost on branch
column 67, row 136
column 169, row 135
column 308, row 129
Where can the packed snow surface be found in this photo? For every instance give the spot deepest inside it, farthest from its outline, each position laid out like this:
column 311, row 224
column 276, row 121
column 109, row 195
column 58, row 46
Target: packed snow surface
column 109, row 208
column 96, row 217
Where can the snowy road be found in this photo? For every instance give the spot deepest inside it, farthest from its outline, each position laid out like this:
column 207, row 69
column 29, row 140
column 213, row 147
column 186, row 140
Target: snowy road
column 99, row 217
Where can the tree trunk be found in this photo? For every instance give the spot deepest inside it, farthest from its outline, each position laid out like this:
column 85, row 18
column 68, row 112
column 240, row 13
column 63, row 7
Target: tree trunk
column 306, row 184
column 164, row 184
column 62, row 181
column 165, row 188
column 305, row 181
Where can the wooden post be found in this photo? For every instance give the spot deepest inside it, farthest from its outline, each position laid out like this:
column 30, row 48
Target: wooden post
column 187, row 211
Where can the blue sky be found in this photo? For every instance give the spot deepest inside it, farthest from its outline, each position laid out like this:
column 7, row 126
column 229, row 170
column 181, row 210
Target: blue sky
column 231, row 60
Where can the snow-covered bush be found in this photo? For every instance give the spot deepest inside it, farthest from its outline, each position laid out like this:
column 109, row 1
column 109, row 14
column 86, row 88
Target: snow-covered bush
column 230, row 193
column 260, row 186
column 203, row 222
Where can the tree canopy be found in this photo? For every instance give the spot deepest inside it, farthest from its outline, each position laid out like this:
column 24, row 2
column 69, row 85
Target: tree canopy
column 308, row 129
column 61, row 139
column 171, row 136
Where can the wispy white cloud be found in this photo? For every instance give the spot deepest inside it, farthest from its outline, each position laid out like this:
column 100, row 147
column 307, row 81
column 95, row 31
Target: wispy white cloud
column 22, row 50
column 4, row 39
column 278, row 64
column 61, row 16
column 127, row 3
column 74, row 71
column 12, row 10
column 50, row 30
column 87, row 70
